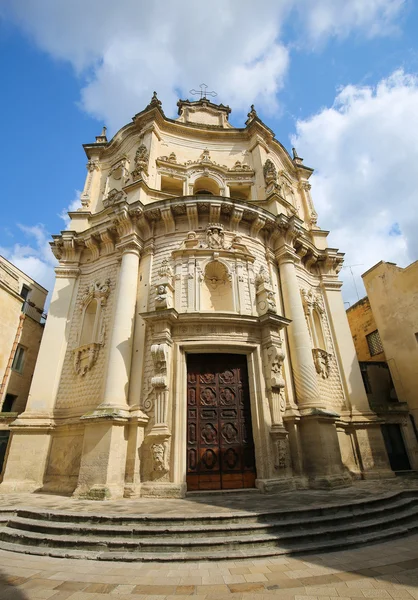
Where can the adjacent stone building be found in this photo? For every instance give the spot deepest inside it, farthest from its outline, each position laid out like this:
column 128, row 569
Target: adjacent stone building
column 393, row 295
column 22, row 302
column 197, row 338
column 397, row 423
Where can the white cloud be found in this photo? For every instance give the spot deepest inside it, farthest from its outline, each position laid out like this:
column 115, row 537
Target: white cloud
column 73, row 206
column 125, row 50
column 338, row 18
column 364, row 189
column 36, row 258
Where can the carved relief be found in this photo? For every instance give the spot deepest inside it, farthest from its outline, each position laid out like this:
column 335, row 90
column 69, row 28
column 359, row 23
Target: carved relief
column 215, row 237
column 113, row 197
column 269, row 172
column 164, row 288
column 160, row 456
column 265, row 299
column 97, row 290
column 140, row 162
column 322, row 360
column 282, row 460
column 273, row 365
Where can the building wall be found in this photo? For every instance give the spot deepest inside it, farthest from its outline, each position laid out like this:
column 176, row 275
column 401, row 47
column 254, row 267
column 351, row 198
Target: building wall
column 18, row 328
column 362, row 322
column 19, row 383
column 393, row 296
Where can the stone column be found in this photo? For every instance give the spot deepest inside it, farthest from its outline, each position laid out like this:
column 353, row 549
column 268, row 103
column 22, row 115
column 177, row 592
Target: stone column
column 120, row 347
column 103, row 460
column 300, row 345
column 322, row 462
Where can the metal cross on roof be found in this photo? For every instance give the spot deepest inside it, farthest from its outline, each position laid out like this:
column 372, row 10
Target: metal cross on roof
column 203, row 91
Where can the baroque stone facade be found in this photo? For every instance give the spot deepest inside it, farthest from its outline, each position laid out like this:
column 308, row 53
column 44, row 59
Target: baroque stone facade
column 197, row 337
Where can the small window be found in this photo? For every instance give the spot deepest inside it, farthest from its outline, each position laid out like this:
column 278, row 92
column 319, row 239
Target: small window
column 8, row 403
column 18, row 360
column 374, row 342
column 25, row 292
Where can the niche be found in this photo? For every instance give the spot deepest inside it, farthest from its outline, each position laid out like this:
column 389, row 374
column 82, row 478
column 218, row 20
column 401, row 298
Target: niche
column 206, row 186
column 217, row 292
column 89, row 320
column 91, row 333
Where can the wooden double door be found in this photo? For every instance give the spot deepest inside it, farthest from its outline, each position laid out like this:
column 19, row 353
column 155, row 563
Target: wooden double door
column 220, row 445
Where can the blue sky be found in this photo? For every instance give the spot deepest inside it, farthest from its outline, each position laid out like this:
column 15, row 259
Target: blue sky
column 338, row 78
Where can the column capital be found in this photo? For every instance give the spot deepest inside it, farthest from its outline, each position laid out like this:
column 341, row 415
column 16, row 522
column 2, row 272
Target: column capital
column 67, row 272
column 286, row 254
column 130, row 244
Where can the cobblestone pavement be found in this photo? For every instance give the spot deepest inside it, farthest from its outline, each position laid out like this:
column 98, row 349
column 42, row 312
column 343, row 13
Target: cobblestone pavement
column 388, row 570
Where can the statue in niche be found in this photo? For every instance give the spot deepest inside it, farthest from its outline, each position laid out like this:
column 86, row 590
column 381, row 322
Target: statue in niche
column 215, row 237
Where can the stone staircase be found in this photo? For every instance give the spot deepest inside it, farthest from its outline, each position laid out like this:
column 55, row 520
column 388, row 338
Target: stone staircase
column 194, row 537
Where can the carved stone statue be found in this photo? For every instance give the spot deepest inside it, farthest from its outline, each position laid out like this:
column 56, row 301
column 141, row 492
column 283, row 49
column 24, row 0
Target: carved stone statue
column 141, row 161
column 270, row 172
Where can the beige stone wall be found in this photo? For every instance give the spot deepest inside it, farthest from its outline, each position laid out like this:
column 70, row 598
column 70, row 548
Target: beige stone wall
column 19, row 383
column 10, row 311
column 393, row 296
column 362, row 322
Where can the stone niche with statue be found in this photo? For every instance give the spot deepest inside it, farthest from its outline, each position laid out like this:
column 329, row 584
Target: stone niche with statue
column 197, row 337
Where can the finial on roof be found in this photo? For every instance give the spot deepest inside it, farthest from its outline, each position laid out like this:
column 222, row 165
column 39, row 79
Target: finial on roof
column 296, row 157
column 101, row 139
column 251, row 115
column 154, row 100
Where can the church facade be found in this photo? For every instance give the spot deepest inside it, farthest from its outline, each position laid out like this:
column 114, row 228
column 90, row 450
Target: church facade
column 197, row 337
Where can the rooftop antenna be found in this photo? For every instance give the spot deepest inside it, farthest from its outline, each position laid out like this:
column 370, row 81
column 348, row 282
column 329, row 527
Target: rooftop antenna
column 352, row 275
column 203, row 92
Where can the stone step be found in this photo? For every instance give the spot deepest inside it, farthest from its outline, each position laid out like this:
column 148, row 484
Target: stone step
column 406, row 517
column 209, row 537
column 167, row 530
column 302, row 548
column 151, row 520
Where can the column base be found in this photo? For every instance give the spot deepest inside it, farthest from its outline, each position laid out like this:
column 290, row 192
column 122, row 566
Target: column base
column 100, row 492
column 322, row 462
column 274, row 486
column 163, row 490
column 103, row 460
column 330, row 481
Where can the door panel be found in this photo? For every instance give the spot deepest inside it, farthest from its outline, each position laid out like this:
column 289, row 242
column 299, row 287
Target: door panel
column 220, row 446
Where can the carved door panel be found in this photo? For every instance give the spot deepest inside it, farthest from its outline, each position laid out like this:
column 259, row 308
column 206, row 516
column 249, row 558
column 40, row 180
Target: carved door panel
column 220, row 446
